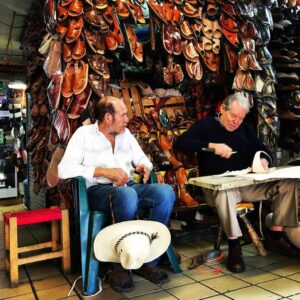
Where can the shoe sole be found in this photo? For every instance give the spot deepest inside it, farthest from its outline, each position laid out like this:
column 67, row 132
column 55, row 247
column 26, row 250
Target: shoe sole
column 120, row 290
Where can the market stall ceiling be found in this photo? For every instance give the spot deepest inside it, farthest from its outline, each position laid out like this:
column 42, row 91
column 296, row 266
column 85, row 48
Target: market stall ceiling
column 13, row 14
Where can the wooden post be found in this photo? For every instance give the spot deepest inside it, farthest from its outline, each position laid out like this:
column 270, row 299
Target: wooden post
column 65, row 241
column 13, row 252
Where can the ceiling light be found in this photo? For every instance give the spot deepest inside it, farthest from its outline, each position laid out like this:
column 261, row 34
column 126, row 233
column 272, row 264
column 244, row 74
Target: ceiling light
column 17, row 85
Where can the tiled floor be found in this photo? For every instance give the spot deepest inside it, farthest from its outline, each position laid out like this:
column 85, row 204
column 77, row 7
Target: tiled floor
column 270, row 277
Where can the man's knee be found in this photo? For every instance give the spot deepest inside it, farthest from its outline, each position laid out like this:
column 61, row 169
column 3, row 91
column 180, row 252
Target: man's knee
column 166, row 193
column 126, row 198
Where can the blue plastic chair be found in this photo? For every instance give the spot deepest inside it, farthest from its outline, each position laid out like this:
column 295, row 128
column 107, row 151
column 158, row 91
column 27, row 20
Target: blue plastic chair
column 90, row 223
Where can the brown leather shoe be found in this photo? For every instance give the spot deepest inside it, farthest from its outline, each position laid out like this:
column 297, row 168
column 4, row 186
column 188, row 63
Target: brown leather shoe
column 74, row 29
column 153, row 274
column 67, row 84
column 181, row 177
column 54, row 90
column 79, row 103
column 235, row 262
column 79, row 49
column 98, row 84
column 121, row 281
column 232, row 37
column 67, row 52
column 95, row 18
column 122, row 9
column 186, row 30
column 95, row 40
column 61, row 125
column 76, row 8
column 99, row 64
column 190, row 53
column 167, row 34
column 62, row 13
column 178, row 73
column 80, row 79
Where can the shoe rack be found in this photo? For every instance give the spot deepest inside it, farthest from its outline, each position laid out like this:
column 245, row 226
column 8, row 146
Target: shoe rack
column 285, row 44
column 11, row 121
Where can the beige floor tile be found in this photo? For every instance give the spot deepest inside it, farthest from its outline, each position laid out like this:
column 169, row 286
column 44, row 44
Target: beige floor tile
column 203, row 272
column 143, row 287
column 259, row 261
column 252, row 293
column 185, row 262
column 282, row 269
column 47, row 283
column 193, row 291
column 295, row 297
column 106, row 293
column 255, row 276
column 22, row 289
column 22, row 277
column 42, row 270
column 24, row 297
column 250, row 248
column 177, row 280
column 284, row 287
column 295, row 277
column 249, row 254
column 194, row 252
column 225, row 284
column 59, row 292
column 219, row 297
column 156, row 296
column 221, row 266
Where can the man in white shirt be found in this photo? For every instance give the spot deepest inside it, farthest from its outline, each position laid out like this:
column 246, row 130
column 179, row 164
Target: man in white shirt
column 106, row 154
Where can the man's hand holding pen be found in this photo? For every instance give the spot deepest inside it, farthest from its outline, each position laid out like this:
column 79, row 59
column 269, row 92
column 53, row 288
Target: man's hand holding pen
column 222, row 150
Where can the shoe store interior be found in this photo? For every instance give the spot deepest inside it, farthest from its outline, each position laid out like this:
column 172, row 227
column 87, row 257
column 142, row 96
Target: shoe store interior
column 162, row 71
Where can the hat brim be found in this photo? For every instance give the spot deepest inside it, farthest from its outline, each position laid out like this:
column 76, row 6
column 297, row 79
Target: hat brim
column 106, row 239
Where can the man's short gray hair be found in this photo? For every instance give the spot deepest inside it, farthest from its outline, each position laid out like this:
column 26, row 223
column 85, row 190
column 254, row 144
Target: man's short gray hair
column 243, row 101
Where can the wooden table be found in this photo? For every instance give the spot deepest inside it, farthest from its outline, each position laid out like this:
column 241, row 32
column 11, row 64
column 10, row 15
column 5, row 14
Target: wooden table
column 218, row 182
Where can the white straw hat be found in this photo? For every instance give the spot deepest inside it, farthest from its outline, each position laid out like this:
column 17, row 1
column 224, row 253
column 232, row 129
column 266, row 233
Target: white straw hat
column 132, row 243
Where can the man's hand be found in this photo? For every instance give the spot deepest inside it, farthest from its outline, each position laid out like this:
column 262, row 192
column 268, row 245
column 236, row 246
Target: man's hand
column 265, row 163
column 221, row 149
column 142, row 169
column 117, row 175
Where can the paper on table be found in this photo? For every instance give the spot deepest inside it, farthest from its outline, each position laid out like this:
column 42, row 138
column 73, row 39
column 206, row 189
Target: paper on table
column 280, row 173
column 235, row 173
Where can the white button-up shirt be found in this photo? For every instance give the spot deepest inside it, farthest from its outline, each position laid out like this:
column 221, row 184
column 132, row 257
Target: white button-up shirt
column 88, row 148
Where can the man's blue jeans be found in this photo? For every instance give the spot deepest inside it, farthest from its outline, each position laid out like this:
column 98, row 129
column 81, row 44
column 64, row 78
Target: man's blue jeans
column 126, row 201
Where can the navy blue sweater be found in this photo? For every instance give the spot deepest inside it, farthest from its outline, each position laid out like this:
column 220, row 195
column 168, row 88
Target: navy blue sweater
column 209, row 130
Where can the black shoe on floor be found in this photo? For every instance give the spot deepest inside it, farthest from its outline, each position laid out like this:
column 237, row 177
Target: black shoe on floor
column 281, row 245
column 235, row 262
column 152, row 274
column 121, row 281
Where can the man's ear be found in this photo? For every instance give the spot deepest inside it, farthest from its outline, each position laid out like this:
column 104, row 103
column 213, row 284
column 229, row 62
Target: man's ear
column 108, row 117
column 222, row 108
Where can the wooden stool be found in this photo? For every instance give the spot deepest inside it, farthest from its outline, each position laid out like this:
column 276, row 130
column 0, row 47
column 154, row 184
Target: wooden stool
column 242, row 209
column 13, row 220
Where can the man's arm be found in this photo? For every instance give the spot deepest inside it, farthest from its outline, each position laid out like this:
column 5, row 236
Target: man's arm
column 71, row 163
column 190, row 141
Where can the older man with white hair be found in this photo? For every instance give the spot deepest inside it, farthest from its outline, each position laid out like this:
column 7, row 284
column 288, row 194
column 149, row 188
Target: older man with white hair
column 225, row 142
